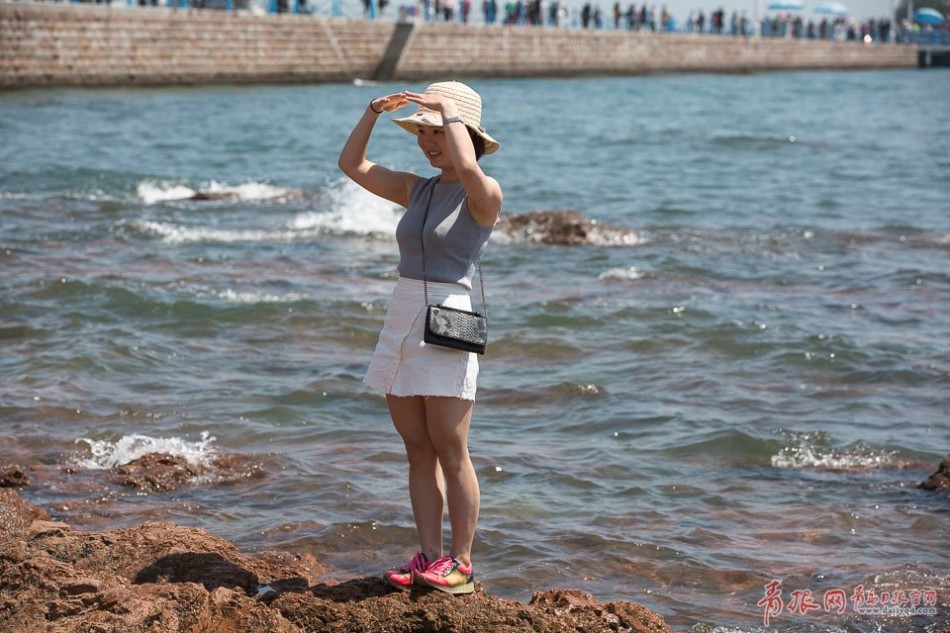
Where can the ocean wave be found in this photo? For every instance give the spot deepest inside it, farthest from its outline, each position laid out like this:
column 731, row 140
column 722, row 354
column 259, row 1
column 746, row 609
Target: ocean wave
column 622, row 274
column 943, row 240
column 107, row 454
column 230, row 295
column 180, row 234
column 259, row 297
column 153, row 191
column 754, row 141
column 812, row 451
column 353, row 210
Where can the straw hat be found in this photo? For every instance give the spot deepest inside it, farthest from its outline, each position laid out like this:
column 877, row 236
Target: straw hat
column 469, row 105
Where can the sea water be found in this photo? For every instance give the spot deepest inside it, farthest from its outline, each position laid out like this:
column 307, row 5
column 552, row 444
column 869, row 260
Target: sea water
column 746, row 392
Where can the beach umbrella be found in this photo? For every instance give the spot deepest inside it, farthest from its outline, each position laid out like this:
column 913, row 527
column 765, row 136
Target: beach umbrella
column 832, row 8
column 927, row 15
column 786, row 5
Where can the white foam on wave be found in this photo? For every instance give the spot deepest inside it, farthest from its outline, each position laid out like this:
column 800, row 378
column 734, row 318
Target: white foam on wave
column 807, row 451
column 248, row 191
column 153, row 191
column 242, row 296
column 613, row 238
column 352, row 210
column 259, row 297
column 178, row 234
column 621, row 274
column 107, row 454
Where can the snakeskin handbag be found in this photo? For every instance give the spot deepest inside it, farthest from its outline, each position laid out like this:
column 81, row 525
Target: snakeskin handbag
column 458, row 329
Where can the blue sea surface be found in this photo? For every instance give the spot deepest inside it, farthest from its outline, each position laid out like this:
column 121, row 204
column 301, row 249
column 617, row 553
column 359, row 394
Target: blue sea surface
column 748, row 389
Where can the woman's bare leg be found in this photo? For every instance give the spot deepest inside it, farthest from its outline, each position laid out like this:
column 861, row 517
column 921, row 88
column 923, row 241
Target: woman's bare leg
column 426, row 487
column 448, row 421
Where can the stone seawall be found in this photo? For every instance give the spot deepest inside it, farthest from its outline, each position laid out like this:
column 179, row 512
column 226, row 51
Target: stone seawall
column 96, row 45
column 514, row 52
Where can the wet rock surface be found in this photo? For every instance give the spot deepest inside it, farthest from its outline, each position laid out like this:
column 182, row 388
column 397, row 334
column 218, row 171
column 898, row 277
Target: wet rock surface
column 562, row 226
column 173, row 579
column 11, row 476
column 160, row 471
column 940, row 479
column 214, row 195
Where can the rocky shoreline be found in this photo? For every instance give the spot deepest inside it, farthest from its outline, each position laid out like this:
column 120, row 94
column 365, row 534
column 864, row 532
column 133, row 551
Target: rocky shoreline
column 166, row 578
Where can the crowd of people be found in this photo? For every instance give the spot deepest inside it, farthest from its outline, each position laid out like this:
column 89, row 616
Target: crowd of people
column 648, row 17
column 633, row 17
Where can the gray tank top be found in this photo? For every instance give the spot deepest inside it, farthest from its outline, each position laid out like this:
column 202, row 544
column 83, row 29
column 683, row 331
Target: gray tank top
column 454, row 240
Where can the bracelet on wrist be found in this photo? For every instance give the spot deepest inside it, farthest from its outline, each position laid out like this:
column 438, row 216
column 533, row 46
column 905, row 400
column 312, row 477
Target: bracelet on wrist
column 452, row 119
column 372, row 108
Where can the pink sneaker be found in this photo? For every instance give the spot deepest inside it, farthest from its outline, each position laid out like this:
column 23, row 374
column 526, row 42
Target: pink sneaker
column 405, row 576
column 449, row 575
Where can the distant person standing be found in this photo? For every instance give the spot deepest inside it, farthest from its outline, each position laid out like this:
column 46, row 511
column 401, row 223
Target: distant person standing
column 490, row 10
column 448, row 10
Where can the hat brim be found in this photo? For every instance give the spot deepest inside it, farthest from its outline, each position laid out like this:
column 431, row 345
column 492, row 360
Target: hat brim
column 433, row 119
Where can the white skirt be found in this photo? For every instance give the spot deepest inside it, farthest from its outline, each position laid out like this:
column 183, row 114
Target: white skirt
column 403, row 364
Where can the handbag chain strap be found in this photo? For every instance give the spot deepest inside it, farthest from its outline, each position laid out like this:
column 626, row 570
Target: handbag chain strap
column 422, row 244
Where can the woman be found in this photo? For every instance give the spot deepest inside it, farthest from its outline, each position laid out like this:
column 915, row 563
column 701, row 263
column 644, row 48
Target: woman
column 430, row 390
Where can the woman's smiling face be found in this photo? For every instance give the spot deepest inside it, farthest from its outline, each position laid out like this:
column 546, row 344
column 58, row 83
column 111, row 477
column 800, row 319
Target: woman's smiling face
column 432, row 142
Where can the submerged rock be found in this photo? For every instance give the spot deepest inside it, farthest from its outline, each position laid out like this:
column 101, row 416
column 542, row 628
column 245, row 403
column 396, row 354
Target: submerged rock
column 214, row 195
column 160, row 471
column 174, row 579
column 562, row 227
column 156, row 471
column 940, row 480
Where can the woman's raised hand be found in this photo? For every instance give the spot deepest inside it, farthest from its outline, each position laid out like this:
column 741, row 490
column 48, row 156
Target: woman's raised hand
column 389, row 103
column 428, row 100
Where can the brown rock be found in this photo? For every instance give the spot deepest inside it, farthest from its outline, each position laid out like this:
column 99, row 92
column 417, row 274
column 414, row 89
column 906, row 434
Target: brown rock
column 940, row 480
column 161, row 577
column 368, row 605
column 163, row 472
column 16, row 515
column 561, row 227
column 156, row 471
column 584, row 613
column 214, row 195
column 12, row 477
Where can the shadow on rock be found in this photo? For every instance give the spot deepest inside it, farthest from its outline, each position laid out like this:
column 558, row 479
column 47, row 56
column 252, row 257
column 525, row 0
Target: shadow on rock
column 354, row 590
column 209, row 570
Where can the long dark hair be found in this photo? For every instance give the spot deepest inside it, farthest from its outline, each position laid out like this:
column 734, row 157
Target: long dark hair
column 477, row 142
